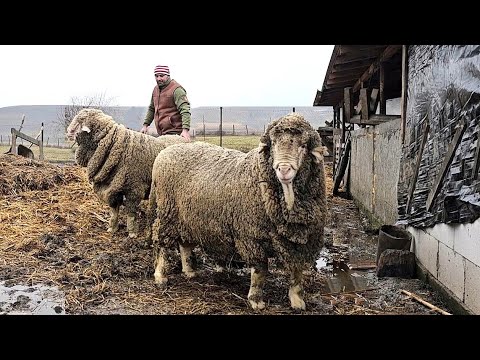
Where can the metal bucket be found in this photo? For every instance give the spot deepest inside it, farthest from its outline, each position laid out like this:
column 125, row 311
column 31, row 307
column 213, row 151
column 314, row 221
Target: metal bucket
column 393, row 237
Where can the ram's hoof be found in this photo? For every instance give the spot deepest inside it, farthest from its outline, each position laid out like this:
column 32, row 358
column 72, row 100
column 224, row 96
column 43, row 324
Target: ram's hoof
column 132, row 235
column 257, row 305
column 161, row 283
column 190, row 274
column 298, row 304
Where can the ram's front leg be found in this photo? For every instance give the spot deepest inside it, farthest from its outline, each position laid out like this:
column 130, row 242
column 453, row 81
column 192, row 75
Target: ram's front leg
column 187, row 259
column 255, row 294
column 295, row 292
column 113, row 222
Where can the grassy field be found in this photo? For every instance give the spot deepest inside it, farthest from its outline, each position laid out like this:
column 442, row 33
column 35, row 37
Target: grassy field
column 60, row 155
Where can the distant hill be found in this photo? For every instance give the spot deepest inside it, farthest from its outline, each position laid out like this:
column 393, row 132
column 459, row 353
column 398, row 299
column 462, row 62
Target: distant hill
column 239, row 119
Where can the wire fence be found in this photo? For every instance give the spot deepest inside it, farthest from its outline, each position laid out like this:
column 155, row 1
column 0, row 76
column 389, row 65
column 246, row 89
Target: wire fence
column 250, row 120
column 205, row 121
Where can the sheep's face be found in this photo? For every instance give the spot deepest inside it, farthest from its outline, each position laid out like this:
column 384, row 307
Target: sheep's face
column 288, row 152
column 83, row 122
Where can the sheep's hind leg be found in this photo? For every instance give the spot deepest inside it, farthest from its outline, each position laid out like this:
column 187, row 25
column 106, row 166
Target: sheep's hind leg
column 255, row 294
column 160, row 267
column 295, row 292
column 113, row 223
column 187, row 260
column 132, row 225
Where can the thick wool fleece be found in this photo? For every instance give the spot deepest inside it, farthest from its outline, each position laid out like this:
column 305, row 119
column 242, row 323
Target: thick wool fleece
column 227, row 201
column 118, row 160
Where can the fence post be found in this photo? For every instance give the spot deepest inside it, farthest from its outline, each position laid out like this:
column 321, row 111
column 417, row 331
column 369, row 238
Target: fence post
column 221, row 125
column 41, row 143
column 14, row 143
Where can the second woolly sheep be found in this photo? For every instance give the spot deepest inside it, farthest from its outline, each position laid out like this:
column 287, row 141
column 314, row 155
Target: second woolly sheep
column 118, row 162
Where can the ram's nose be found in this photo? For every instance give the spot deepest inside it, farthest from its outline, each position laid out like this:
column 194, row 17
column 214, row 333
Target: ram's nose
column 285, row 172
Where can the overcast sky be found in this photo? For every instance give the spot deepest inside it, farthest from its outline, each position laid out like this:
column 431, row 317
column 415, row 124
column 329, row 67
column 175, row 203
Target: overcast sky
column 213, row 75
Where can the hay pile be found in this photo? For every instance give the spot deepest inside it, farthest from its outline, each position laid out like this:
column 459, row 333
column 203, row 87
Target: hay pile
column 53, row 232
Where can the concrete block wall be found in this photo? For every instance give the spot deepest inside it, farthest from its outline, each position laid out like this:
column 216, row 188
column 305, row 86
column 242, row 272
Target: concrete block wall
column 451, row 254
column 374, row 169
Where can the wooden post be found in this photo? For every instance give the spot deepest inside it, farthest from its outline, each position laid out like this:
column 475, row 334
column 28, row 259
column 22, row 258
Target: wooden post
column 41, row 144
column 383, row 102
column 426, row 130
column 348, row 109
column 221, row 125
column 364, row 103
column 14, row 142
column 403, row 107
column 447, row 160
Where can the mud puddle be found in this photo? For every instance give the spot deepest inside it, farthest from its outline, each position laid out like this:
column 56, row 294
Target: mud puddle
column 31, row 300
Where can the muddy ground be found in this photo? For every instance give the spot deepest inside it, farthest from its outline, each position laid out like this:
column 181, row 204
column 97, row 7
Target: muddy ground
column 57, row 258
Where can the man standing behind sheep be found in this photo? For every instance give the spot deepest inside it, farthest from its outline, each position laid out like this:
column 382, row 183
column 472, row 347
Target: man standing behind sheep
column 169, row 107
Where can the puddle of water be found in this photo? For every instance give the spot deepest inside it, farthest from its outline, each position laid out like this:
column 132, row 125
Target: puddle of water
column 342, row 279
column 31, row 300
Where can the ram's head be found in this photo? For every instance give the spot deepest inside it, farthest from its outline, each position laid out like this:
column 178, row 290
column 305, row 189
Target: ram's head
column 88, row 120
column 290, row 141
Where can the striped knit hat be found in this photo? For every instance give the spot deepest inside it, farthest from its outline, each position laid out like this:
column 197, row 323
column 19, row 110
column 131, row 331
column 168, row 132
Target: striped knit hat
column 162, row 69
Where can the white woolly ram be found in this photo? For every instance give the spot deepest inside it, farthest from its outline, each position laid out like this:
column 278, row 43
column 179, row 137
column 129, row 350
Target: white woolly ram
column 269, row 202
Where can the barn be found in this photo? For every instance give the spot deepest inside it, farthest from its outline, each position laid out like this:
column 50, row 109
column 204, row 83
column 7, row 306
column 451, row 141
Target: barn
column 406, row 128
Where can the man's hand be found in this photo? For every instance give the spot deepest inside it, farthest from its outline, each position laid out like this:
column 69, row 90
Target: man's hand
column 185, row 134
column 144, row 129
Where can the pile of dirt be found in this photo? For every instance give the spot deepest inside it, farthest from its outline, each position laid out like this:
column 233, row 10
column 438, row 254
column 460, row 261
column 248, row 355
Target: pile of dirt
column 53, row 232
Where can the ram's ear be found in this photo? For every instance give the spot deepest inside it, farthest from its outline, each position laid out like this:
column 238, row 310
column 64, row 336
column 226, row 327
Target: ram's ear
column 262, row 147
column 318, row 153
column 85, row 128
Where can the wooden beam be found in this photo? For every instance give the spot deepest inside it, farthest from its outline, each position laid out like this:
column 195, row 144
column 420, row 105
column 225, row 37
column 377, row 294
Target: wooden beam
column 387, row 54
column 347, row 99
column 476, row 163
column 447, row 160
column 383, row 102
column 373, row 119
column 345, row 73
column 426, row 129
column 339, row 84
column 403, row 105
column 355, row 56
column 25, row 137
column 374, row 101
column 352, row 65
column 364, row 104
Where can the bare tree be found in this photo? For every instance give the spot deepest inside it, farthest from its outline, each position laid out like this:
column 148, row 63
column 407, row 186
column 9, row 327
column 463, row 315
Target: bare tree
column 68, row 112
